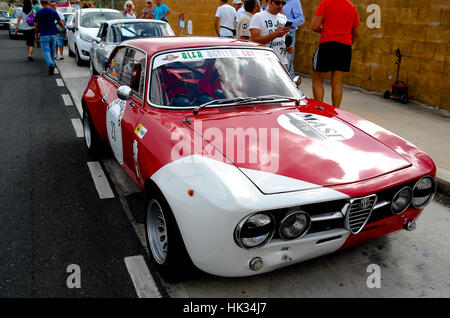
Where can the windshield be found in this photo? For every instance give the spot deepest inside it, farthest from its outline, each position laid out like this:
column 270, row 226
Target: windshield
column 129, row 30
column 192, row 78
column 3, row 14
column 95, row 19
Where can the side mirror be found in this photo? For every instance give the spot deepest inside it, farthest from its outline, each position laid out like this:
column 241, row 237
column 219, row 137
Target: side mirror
column 97, row 39
column 71, row 27
column 297, row 80
column 124, row 92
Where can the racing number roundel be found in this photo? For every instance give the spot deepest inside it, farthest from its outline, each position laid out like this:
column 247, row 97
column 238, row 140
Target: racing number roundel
column 114, row 114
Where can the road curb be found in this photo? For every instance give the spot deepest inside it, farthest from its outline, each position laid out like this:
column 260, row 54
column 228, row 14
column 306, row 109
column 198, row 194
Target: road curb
column 443, row 183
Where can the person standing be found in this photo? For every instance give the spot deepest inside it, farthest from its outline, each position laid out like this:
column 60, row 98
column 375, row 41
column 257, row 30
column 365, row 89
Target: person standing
column 45, row 30
column 161, row 11
column 294, row 13
column 25, row 22
column 225, row 20
column 237, row 4
column 36, row 6
column 251, row 7
column 147, row 12
column 128, row 11
column 59, row 37
column 267, row 27
column 337, row 22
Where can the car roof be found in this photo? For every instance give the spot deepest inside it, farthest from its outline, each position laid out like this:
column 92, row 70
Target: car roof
column 157, row 44
column 135, row 20
column 98, row 10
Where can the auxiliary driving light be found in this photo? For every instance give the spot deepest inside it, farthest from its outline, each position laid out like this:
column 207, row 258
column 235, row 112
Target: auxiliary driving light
column 423, row 192
column 255, row 230
column 410, row 225
column 401, row 200
column 256, row 264
column 294, row 225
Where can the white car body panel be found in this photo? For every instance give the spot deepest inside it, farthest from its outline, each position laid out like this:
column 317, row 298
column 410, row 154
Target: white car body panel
column 223, row 196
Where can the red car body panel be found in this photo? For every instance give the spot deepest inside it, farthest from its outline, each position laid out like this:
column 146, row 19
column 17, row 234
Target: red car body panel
column 388, row 159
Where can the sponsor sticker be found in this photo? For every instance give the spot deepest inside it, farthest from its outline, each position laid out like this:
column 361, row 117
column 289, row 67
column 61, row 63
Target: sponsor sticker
column 315, row 126
column 200, row 55
column 140, row 131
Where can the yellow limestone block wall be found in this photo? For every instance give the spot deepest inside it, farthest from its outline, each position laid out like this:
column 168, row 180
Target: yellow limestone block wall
column 419, row 28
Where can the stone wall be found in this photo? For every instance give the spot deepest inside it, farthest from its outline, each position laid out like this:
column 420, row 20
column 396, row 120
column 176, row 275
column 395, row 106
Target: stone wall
column 419, row 28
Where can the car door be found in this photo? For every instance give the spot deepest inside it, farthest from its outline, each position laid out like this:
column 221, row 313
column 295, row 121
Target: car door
column 98, row 48
column 71, row 33
column 122, row 117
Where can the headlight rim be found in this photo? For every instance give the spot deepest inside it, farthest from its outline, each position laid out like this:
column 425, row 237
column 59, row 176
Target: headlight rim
column 288, row 214
column 423, row 205
column 407, row 206
column 237, row 231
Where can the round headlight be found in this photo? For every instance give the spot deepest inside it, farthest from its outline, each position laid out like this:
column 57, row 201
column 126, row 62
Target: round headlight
column 423, row 192
column 294, row 225
column 401, row 200
column 255, row 230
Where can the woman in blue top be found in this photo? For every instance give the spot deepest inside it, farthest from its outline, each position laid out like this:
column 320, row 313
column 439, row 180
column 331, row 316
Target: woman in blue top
column 161, row 11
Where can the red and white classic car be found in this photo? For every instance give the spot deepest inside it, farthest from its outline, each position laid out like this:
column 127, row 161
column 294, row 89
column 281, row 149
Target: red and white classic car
column 243, row 173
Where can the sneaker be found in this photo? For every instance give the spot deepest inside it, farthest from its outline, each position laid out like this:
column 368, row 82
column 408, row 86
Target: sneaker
column 61, row 57
column 57, row 58
column 30, row 58
column 51, row 69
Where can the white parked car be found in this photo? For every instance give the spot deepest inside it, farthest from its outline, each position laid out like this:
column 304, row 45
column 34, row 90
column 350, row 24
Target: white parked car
column 83, row 29
column 113, row 32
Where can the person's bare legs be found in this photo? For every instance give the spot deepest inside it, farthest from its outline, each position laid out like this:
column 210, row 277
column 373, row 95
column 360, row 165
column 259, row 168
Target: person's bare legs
column 317, row 85
column 337, row 78
column 30, row 51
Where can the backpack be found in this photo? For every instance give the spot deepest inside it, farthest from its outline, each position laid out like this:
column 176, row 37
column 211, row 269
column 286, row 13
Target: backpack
column 30, row 19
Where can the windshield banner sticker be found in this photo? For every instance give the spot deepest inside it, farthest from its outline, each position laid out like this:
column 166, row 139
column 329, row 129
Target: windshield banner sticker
column 200, row 55
column 315, row 126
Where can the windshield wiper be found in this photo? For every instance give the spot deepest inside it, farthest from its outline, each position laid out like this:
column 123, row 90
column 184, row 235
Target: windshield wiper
column 234, row 100
column 245, row 100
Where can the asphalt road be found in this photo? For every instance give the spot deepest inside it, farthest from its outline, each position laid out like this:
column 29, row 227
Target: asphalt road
column 51, row 215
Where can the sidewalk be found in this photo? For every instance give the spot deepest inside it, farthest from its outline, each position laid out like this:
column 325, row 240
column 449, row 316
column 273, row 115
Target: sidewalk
column 426, row 127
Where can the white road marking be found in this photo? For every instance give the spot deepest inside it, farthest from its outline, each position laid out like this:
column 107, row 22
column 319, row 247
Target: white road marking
column 101, row 182
column 67, row 100
column 56, row 71
column 142, row 279
column 78, row 127
column 59, row 82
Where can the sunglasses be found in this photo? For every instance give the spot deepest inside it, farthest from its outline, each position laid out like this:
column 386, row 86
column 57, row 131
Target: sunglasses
column 279, row 2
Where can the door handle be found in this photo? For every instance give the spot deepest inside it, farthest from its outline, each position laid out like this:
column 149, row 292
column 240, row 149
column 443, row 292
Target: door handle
column 131, row 104
column 105, row 98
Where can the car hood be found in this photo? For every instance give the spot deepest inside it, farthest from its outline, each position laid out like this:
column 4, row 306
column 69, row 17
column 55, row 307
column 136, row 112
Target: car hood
column 92, row 32
column 290, row 149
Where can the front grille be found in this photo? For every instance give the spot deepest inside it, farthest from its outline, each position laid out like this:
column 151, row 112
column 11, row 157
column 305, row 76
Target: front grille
column 359, row 212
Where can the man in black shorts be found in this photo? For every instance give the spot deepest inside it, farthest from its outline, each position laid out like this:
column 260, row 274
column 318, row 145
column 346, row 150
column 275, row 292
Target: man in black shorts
column 337, row 22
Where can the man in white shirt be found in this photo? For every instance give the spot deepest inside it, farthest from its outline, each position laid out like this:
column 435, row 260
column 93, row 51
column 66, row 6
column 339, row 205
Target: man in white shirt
column 267, row 27
column 237, row 4
column 225, row 21
column 243, row 27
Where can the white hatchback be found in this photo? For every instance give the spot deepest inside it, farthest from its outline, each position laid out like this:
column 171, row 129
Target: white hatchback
column 83, row 29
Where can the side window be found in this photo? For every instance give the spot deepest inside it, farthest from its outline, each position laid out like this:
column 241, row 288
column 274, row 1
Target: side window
column 116, row 63
column 102, row 32
column 138, row 79
column 133, row 71
column 127, row 69
column 115, row 35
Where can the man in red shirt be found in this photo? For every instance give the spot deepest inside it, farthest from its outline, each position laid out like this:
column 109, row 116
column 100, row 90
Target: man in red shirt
column 337, row 22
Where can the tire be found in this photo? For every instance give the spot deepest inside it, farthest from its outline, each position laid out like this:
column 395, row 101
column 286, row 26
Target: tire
column 91, row 137
column 92, row 69
column 80, row 62
column 71, row 54
column 404, row 99
column 167, row 251
column 387, row 94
